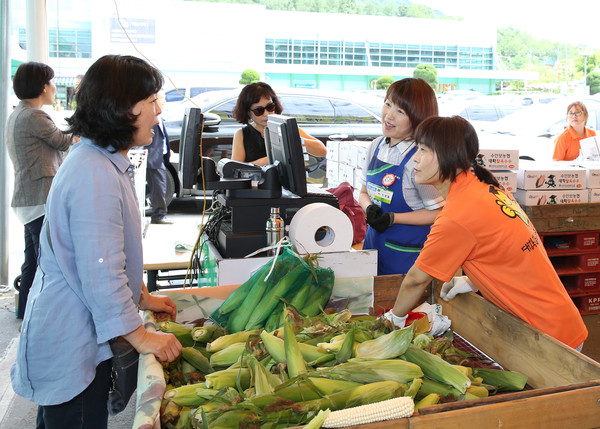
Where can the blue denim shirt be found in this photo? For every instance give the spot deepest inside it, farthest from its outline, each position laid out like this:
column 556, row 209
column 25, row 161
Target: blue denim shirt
column 88, row 284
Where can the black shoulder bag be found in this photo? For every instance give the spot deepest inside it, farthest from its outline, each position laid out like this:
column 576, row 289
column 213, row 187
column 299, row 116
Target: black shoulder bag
column 124, row 371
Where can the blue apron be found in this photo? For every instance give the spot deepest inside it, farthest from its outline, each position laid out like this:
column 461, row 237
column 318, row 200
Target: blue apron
column 399, row 246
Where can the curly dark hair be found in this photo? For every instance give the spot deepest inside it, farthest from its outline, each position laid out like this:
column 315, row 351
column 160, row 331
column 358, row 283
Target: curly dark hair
column 416, row 97
column 251, row 94
column 106, row 95
column 456, row 146
column 30, row 79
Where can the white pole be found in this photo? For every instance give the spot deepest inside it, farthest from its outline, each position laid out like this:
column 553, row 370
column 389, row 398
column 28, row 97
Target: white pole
column 37, row 31
column 5, row 67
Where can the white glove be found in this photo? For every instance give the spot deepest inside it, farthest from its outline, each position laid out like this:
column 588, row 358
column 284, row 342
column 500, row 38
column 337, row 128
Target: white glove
column 396, row 320
column 455, row 286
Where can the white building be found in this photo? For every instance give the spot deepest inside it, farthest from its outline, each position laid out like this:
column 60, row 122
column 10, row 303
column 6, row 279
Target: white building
column 210, row 44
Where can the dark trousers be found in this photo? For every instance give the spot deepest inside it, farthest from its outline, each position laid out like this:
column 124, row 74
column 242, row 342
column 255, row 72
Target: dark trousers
column 32, row 245
column 156, row 178
column 88, row 410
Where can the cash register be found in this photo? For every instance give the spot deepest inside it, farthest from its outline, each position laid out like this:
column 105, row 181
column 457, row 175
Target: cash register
column 249, row 191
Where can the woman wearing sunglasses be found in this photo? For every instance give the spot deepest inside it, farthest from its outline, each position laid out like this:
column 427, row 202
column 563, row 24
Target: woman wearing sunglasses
column 254, row 105
column 567, row 144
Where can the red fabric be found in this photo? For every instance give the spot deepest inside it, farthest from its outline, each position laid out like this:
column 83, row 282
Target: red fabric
column 350, row 206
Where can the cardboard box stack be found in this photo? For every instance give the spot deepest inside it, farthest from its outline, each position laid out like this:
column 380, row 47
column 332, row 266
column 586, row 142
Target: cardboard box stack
column 345, row 163
column 592, row 170
column 551, row 183
column 503, row 163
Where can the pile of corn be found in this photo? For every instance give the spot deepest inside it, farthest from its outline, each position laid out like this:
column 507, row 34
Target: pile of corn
column 333, row 370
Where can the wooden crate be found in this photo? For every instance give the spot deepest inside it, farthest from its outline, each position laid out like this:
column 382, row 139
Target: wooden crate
column 565, row 217
column 566, row 384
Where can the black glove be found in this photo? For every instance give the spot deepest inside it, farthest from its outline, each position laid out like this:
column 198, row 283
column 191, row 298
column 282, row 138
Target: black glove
column 376, row 220
column 383, row 222
column 373, row 212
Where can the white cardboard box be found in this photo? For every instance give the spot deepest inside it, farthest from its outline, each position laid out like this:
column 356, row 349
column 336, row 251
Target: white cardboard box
column 361, row 149
column 553, row 196
column 508, row 179
column 346, row 173
column 353, row 263
column 333, row 150
column 498, row 159
column 333, row 172
column 595, row 195
column 347, row 154
column 592, row 173
column 358, row 178
column 533, row 175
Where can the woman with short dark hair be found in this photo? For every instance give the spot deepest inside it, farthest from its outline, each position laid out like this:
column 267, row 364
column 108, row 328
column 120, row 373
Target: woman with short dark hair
column 36, row 148
column 89, row 285
column 399, row 211
column 254, row 105
column 484, row 231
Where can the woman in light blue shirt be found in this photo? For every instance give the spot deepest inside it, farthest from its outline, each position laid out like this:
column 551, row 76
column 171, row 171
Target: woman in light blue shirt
column 89, row 286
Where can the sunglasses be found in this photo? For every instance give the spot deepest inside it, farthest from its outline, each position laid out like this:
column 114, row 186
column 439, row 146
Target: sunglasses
column 260, row 110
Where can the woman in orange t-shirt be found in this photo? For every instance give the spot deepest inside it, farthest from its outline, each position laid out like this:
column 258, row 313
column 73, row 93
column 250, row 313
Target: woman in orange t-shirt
column 567, row 144
column 483, row 230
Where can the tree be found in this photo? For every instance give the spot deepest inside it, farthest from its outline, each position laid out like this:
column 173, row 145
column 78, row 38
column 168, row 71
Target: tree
column 249, row 76
column 384, row 82
column 427, row 72
column 593, row 80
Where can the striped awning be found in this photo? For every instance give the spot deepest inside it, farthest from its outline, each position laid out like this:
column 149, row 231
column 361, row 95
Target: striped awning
column 64, row 81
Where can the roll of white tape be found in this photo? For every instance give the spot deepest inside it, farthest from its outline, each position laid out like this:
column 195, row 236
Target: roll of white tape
column 319, row 227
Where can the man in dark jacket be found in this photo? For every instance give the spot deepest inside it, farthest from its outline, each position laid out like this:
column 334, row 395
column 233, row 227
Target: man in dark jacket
column 156, row 171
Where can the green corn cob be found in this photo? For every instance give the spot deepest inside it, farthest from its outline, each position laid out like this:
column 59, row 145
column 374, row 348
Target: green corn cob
column 225, row 341
column 183, row 333
column 437, row 369
column 387, row 346
column 196, row 359
column 269, row 301
column 190, row 395
column 228, row 356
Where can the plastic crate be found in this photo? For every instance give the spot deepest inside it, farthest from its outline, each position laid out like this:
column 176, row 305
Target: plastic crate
column 590, row 261
column 587, row 282
column 589, row 303
column 586, row 240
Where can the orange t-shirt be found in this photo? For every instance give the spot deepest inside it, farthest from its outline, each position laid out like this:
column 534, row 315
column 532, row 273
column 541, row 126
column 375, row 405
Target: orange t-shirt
column 484, row 230
column 566, row 145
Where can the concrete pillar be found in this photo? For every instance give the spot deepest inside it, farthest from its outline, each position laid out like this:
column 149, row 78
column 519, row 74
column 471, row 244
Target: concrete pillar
column 5, row 64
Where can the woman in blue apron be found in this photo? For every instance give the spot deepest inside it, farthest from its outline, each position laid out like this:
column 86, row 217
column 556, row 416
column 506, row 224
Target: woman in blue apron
column 399, row 211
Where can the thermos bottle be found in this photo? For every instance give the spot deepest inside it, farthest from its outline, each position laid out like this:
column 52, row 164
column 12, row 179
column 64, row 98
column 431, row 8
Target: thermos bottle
column 275, row 228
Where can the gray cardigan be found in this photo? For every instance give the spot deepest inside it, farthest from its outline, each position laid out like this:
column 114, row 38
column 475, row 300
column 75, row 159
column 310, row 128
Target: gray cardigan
column 36, row 148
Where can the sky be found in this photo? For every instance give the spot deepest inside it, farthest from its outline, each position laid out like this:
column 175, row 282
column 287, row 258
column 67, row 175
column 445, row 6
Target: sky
column 567, row 21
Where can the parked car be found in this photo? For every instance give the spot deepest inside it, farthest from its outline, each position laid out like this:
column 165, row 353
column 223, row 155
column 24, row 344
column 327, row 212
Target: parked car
column 480, row 113
column 532, row 130
column 325, row 115
column 179, row 94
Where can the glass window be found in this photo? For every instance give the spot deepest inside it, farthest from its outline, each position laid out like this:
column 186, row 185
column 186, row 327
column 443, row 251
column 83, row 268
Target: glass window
column 173, row 95
column 225, row 112
column 347, row 112
column 308, row 110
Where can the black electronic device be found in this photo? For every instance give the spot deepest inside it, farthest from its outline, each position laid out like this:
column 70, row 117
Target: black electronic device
column 189, row 147
column 284, row 149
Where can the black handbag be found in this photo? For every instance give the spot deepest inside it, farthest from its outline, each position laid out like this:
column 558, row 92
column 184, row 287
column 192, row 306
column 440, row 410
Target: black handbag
column 123, row 375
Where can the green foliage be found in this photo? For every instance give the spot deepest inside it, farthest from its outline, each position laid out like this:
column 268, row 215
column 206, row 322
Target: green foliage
column 593, row 80
column 428, row 72
column 249, row 76
column 384, row 82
